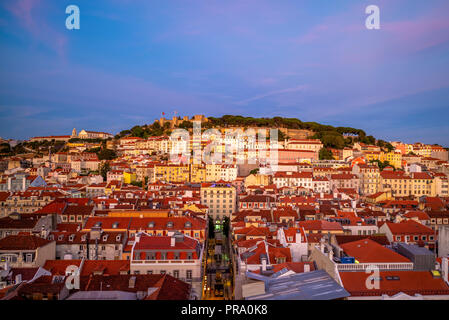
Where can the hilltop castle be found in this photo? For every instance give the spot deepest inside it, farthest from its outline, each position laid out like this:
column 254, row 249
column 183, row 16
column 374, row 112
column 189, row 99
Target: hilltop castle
column 177, row 120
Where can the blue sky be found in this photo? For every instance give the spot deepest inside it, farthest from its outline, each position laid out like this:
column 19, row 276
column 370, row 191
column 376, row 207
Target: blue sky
column 313, row 60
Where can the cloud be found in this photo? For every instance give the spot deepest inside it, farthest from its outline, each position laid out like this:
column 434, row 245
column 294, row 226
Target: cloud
column 273, row 93
column 30, row 16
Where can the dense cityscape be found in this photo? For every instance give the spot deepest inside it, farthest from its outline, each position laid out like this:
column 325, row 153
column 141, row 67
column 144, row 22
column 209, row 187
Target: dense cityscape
column 223, row 159
column 299, row 211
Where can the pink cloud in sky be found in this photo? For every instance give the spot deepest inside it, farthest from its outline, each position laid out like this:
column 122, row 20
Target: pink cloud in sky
column 21, row 9
column 29, row 16
column 420, row 34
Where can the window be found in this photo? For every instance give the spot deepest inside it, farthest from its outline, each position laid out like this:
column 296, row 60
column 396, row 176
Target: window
column 176, row 273
column 29, row 258
column 163, row 272
column 189, row 274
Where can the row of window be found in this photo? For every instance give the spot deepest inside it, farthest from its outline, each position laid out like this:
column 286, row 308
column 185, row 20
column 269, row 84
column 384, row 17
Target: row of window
column 415, row 238
column 175, row 273
column 12, row 258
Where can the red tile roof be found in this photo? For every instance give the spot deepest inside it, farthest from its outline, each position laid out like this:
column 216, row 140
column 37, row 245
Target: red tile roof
column 380, row 239
column 56, row 206
column 79, row 210
column 409, row 227
column 167, row 287
column 320, row 225
column 22, row 242
column 297, row 267
column 369, row 251
column 24, row 222
column 58, row 267
column 147, row 242
column 274, row 253
column 106, row 267
column 409, row 282
column 417, row 214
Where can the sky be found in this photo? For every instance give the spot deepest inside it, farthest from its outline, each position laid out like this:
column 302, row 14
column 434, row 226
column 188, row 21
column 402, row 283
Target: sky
column 313, row 60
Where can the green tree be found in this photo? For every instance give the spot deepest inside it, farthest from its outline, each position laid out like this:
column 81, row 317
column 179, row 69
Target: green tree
column 211, row 228
column 380, row 164
column 226, row 226
column 5, row 148
column 146, row 181
column 107, row 154
column 137, row 183
column 186, row 125
column 137, row 131
column 254, row 171
column 389, row 147
column 326, row 154
column 105, row 167
column 333, row 140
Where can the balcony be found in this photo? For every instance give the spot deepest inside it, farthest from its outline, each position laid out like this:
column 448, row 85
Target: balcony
column 163, row 261
column 382, row 266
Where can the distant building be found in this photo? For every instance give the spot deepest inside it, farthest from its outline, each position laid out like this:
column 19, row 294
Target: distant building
column 177, row 120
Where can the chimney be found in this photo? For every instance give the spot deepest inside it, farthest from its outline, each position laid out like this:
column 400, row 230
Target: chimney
column 298, row 237
column 306, row 267
column 172, row 241
column 132, row 282
column 331, row 253
column 264, row 264
column 322, row 245
column 444, row 268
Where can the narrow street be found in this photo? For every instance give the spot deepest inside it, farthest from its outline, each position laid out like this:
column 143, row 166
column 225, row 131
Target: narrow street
column 218, row 275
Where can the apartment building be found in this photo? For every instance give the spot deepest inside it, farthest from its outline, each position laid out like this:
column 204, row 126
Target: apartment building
column 220, row 197
column 177, row 255
column 369, row 178
column 171, row 173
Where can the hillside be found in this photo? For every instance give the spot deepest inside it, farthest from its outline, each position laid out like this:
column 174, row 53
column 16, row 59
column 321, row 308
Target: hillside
column 330, row 136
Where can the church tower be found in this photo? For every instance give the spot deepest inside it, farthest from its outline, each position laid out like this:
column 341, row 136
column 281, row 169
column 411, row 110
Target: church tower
column 74, row 134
